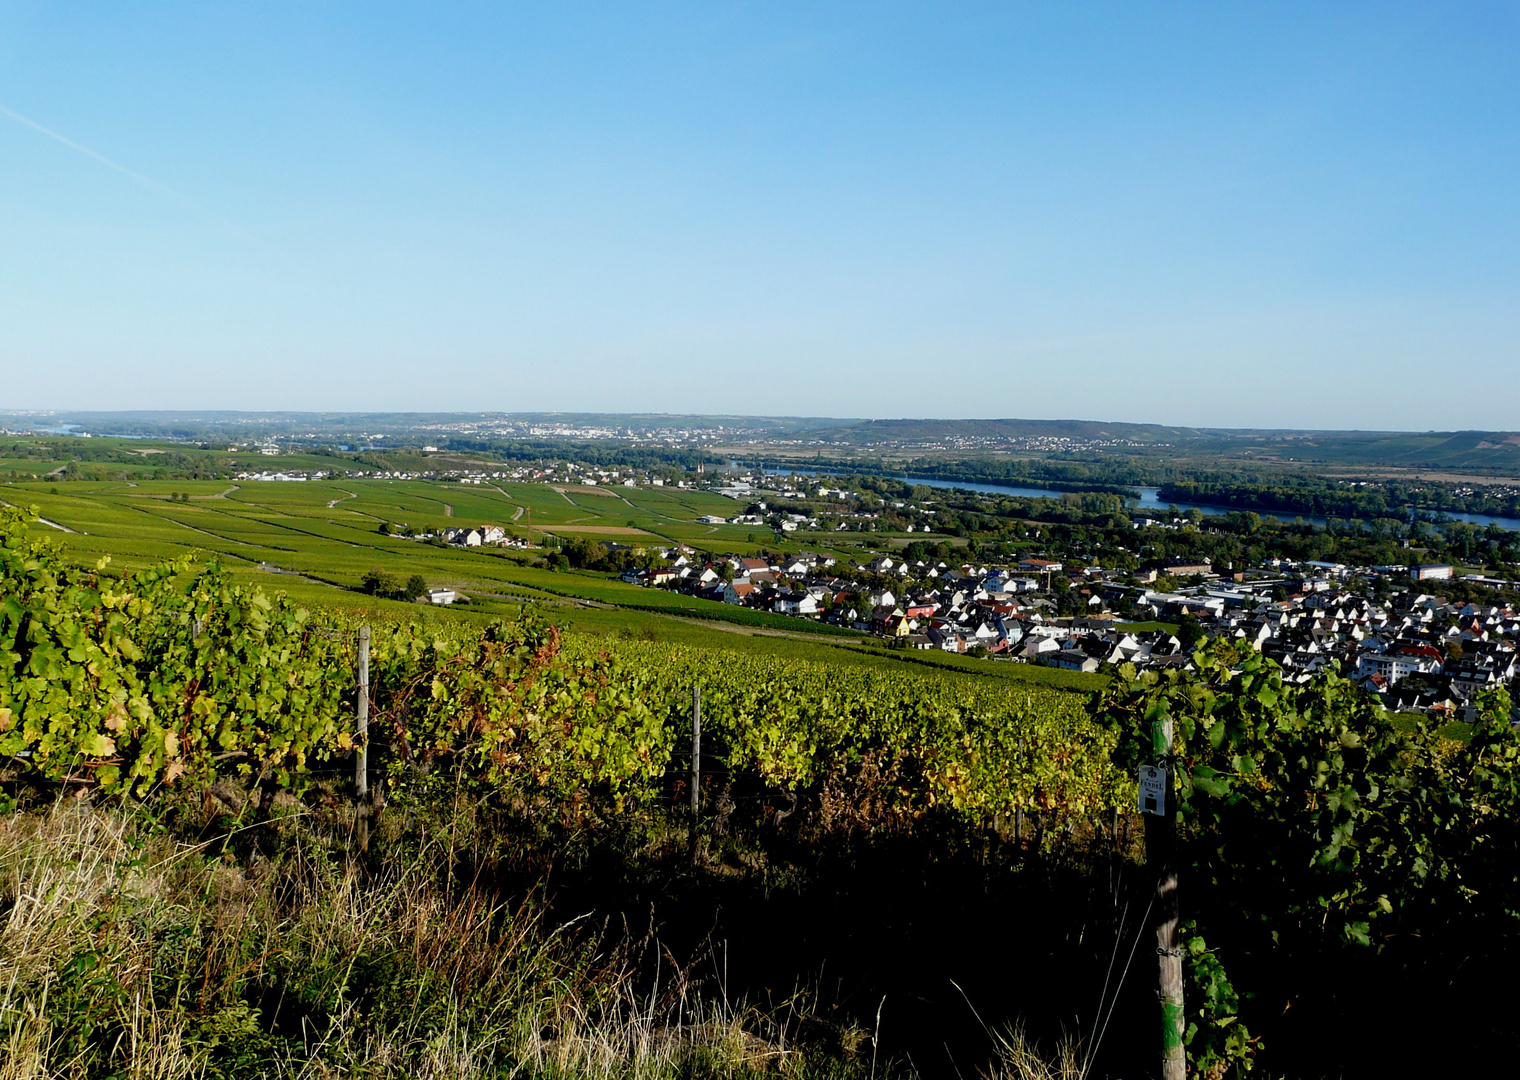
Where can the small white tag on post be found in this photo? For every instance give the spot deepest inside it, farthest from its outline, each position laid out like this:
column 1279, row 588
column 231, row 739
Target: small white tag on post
column 1153, row 794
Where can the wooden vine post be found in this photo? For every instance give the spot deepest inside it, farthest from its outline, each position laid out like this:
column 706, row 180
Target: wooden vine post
column 1158, row 804
column 696, row 765
column 361, row 744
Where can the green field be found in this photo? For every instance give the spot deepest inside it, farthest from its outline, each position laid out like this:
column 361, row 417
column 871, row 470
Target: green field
column 316, row 540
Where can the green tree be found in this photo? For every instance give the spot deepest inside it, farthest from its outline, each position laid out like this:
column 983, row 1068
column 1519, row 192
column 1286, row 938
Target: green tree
column 377, row 582
column 583, row 554
column 618, row 561
column 415, row 587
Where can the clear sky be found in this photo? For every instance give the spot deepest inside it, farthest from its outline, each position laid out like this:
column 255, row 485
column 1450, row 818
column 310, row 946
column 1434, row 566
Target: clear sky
column 1217, row 214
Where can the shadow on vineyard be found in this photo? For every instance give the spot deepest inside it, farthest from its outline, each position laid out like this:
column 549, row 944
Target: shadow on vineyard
column 128, row 953
column 891, row 874
column 937, row 946
column 953, row 939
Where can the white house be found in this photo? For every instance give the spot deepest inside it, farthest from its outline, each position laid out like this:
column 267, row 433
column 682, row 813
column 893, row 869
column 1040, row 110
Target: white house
column 806, row 604
column 1037, row 645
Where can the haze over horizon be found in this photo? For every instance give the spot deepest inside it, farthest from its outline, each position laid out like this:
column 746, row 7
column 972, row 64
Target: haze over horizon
column 1290, row 218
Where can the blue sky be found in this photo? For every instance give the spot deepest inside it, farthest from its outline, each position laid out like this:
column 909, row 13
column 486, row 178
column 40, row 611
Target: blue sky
column 1248, row 215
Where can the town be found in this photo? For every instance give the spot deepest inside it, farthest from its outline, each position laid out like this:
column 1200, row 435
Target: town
column 1385, row 626
column 1418, row 651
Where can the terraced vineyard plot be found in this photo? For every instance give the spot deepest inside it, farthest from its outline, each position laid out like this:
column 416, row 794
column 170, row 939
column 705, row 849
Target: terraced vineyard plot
column 545, row 506
column 230, row 528
column 479, row 505
column 22, row 468
column 679, row 504
column 162, row 489
column 605, row 532
column 352, row 530
column 78, row 512
column 593, row 515
column 720, row 537
column 320, row 529
column 374, row 509
column 388, row 502
column 125, row 554
column 132, row 535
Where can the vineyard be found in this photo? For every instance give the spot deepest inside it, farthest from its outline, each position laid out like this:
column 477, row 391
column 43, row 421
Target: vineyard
column 176, row 675
column 319, row 542
column 1311, row 825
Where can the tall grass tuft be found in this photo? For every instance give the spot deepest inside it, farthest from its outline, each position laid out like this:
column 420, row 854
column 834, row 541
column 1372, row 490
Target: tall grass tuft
column 1019, row 1058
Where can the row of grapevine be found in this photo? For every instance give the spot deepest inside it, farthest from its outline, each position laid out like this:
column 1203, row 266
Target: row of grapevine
column 173, row 672
column 978, row 748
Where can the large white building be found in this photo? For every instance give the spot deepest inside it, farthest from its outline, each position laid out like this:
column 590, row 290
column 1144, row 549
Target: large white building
column 1430, row 572
column 1394, row 666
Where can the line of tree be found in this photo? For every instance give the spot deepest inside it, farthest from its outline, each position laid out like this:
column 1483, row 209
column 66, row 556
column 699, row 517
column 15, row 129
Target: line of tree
column 1312, row 495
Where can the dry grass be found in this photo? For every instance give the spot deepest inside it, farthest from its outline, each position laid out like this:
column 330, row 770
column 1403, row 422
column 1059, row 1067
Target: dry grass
column 1018, row 1058
column 124, row 952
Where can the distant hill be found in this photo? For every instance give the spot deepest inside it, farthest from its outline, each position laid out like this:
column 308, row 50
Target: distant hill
column 1482, row 451
column 865, row 432
column 1477, row 451
column 246, row 424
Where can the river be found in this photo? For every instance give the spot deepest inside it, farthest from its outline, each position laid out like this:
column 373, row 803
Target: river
column 1149, row 500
